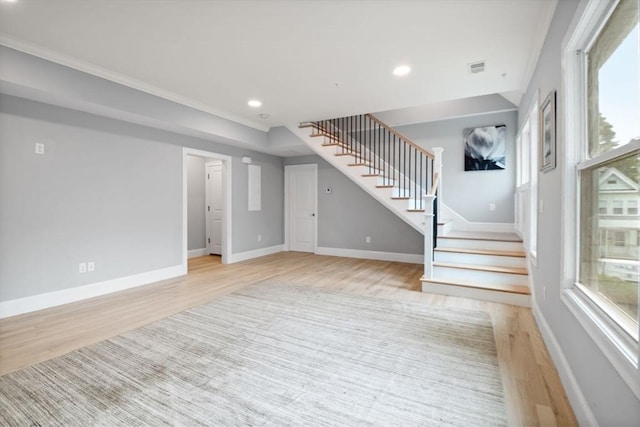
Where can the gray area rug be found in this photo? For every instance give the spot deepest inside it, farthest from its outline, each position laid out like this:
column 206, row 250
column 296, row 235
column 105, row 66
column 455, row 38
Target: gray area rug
column 274, row 354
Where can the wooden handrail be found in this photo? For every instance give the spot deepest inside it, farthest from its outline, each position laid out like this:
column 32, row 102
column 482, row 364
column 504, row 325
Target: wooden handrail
column 434, row 184
column 401, row 136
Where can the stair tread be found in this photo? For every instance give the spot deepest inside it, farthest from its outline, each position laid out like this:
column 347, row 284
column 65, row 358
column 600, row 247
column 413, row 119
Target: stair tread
column 325, row 134
column 516, row 289
column 491, row 268
column 334, row 144
column 476, row 235
column 519, row 254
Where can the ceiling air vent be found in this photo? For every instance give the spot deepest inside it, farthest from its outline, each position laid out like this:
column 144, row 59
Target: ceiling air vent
column 476, row 67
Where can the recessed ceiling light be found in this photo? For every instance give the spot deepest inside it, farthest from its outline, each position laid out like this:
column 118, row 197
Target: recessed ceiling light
column 401, row 70
column 254, row 103
column 9, row 1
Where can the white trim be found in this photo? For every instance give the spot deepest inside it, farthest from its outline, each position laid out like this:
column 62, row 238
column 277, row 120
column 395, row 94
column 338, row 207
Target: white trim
column 65, row 296
column 227, row 240
column 243, row 256
column 103, row 73
column 620, row 350
column 194, row 253
column 578, row 402
column 623, row 150
column 462, row 224
column 375, row 255
column 287, row 202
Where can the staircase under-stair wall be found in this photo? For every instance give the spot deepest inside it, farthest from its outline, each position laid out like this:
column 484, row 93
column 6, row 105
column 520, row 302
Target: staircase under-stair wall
column 479, row 261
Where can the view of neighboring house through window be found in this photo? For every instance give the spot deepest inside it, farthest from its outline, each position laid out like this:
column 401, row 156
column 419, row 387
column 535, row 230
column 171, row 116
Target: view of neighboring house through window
column 609, row 171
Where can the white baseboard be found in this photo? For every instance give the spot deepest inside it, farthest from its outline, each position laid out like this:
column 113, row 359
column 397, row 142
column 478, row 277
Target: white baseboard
column 462, row 224
column 376, row 255
column 578, row 402
column 65, row 296
column 243, row 256
column 194, row 253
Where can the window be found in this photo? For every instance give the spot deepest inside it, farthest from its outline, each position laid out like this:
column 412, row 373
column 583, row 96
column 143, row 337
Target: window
column 602, row 153
column 617, row 207
column 618, row 238
column 613, row 54
column 602, row 209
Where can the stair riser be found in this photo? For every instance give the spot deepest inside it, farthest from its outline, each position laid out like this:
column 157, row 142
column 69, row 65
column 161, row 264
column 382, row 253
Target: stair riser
column 479, row 276
column 480, row 244
column 444, row 228
column 479, row 294
column 480, row 259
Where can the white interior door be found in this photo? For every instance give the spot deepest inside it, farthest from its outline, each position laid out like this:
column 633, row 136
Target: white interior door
column 302, row 199
column 215, row 208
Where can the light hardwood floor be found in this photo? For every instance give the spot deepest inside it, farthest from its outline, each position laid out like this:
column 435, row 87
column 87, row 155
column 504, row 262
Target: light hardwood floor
column 533, row 392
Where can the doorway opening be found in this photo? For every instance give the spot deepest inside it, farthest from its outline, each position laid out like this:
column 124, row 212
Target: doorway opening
column 206, row 179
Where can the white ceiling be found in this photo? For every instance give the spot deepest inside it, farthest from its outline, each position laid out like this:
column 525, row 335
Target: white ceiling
column 304, row 59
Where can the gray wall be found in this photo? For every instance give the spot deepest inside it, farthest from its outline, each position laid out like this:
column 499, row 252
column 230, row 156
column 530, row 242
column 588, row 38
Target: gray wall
column 30, row 77
column 470, row 193
column 105, row 191
column 269, row 221
column 196, row 202
column 348, row 215
column 92, row 197
column 610, row 399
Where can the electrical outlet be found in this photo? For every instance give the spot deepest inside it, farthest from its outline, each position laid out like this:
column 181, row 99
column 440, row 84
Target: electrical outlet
column 91, row 266
column 541, row 206
column 544, row 293
column 259, row 237
column 39, row 148
column 492, row 206
column 367, row 239
column 82, row 267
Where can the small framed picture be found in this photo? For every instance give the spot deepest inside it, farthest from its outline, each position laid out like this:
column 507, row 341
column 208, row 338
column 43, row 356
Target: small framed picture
column 547, row 133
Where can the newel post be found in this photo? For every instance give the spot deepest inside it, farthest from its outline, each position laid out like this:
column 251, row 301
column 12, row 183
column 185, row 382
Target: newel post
column 437, row 168
column 428, row 236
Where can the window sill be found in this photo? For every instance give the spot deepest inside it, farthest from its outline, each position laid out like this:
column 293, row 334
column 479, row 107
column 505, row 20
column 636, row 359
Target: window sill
column 618, row 347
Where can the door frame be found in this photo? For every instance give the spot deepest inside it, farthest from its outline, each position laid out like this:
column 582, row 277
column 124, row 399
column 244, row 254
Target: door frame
column 226, row 188
column 287, row 202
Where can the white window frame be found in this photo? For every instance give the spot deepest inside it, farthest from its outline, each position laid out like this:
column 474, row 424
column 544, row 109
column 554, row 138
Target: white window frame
column 621, row 350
